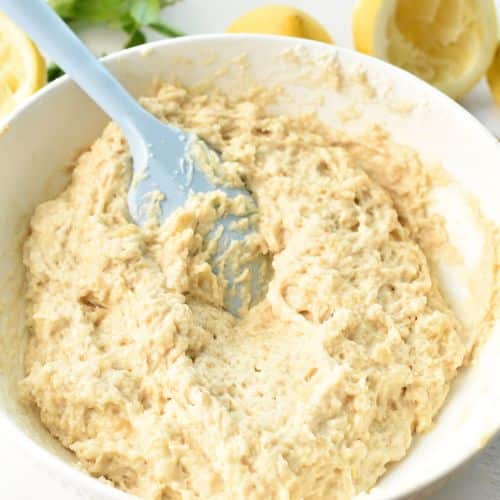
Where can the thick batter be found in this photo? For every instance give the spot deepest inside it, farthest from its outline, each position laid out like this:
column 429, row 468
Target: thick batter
column 136, row 368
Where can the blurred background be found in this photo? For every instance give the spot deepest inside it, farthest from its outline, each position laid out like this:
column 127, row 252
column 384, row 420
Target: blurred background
column 450, row 41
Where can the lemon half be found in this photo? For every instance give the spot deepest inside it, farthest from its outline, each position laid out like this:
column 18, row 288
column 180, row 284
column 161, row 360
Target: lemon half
column 280, row 20
column 22, row 68
column 448, row 43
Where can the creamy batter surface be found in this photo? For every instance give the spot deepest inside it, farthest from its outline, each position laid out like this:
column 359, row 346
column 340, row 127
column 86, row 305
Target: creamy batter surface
column 134, row 365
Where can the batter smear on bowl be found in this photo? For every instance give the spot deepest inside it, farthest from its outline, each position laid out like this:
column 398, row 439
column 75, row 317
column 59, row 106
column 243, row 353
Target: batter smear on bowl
column 135, row 366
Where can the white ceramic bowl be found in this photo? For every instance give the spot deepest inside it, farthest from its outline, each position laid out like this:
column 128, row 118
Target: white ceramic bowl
column 49, row 131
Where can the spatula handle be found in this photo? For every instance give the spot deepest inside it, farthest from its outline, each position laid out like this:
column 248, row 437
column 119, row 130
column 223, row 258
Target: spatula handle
column 37, row 19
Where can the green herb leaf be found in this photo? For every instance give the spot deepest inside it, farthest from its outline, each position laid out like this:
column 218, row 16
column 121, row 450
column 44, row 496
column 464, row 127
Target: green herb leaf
column 65, row 8
column 91, row 11
column 53, row 72
column 165, row 29
column 136, row 38
column 145, row 12
column 132, row 16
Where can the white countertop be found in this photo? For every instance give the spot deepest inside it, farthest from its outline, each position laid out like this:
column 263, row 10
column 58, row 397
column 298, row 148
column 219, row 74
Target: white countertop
column 21, row 479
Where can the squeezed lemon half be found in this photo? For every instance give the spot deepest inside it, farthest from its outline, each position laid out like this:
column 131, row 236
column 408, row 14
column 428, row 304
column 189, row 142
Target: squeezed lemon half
column 448, row 43
column 280, row 20
column 22, row 68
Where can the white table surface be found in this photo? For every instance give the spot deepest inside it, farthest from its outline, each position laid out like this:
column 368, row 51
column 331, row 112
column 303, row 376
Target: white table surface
column 21, row 479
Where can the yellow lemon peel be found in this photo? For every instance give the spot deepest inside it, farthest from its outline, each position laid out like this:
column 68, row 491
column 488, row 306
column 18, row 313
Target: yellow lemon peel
column 493, row 76
column 280, row 20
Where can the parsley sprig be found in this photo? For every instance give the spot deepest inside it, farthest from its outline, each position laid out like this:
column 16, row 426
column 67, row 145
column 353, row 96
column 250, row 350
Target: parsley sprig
column 132, row 16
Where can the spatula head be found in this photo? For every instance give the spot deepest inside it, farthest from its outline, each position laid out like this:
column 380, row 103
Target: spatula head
column 171, row 166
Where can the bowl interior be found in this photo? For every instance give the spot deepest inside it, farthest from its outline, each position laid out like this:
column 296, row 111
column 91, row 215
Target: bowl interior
column 49, row 132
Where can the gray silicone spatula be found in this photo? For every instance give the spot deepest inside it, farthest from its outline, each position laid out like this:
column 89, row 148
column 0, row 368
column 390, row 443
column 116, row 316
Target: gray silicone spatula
column 159, row 150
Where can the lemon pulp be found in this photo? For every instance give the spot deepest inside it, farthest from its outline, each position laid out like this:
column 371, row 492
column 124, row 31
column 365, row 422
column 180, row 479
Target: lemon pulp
column 449, row 43
column 436, row 40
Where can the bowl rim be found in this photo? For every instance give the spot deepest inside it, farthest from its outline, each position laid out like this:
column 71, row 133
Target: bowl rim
column 91, row 484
